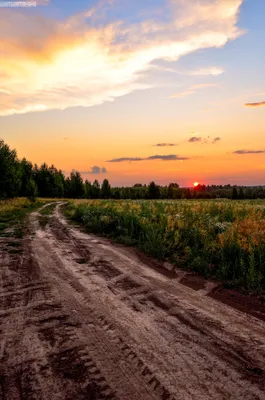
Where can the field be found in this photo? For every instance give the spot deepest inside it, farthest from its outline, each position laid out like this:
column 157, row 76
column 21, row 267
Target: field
column 84, row 318
column 222, row 239
column 13, row 213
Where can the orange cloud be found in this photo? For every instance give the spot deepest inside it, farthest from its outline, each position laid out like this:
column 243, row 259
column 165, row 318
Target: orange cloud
column 243, row 152
column 168, row 157
column 51, row 64
column 259, row 104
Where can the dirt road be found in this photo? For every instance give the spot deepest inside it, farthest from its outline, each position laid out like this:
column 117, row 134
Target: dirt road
column 84, row 319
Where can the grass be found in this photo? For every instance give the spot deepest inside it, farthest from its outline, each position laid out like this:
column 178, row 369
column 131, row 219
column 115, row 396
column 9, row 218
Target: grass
column 13, row 214
column 45, row 214
column 219, row 238
column 48, row 210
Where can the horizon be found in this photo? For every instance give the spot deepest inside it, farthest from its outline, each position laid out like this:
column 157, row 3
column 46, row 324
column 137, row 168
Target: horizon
column 171, row 91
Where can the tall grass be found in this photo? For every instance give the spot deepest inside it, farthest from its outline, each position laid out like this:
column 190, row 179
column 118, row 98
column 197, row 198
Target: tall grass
column 224, row 239
column 13, row 213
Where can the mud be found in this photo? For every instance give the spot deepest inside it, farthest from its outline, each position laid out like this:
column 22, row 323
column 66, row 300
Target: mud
column 82, row 318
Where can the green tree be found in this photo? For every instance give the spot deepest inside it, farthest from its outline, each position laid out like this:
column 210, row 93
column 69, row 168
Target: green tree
column 105, row 192
column 31, row 190
column 26, row 175
column 153, row 191
column 88, row 189
column 173, row 191
column 95, row 189
column 241, row 194
column 234, row 194
column 10, row 179
column 77, row 188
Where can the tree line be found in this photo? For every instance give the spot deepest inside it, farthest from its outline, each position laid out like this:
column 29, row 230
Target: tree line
column 20, row 178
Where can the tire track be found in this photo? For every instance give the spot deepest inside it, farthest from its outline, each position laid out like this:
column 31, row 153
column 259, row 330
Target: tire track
column 84, row 319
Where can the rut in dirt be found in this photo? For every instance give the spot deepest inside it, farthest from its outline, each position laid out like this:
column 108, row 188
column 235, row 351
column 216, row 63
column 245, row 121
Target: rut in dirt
column 82, row 319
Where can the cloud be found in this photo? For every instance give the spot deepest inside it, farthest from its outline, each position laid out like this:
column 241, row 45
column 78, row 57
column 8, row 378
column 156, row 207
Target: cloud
column 169, row 157
column 208, row 71
column 56, row 64
column 259, row 104
column 123, row 159
column 215, row 140
column 214, row 71
column 182, row 94
column 202, row 86
column 195, row 139
column 193, row 89
column 165, row 145
column 248, row 152
column 42, row 2
column 3, row 91
column 95, row 170
column 205, row 140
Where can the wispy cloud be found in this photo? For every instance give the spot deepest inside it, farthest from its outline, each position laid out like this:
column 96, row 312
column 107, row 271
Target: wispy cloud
column 182, row 94
column 259, row 104
column 42, row 2
column 203, row 86
column 165, row 145
column 204, row 140
column 242, row 152
column 60, row 64
column 95, row 170
column 215, row 140
column 195, row 139
column 3, row 91
column 168, row 157
column 124, row 159
column 208, row 71
column 213, row 71
column 193, row 89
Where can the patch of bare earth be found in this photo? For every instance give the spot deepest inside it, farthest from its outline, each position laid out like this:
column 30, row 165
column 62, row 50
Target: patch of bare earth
column 82, row 318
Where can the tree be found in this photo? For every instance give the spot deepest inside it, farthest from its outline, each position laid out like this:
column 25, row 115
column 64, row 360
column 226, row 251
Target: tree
column 77, row 189
column 153, row 191
column 105, row 190
column 31, row 190
column 172, row 190
column 234, row 194
column 26, row 176
column 241, row 194
column 10, row 181
column 188, row 194
column 95, row 189
column 88, row 189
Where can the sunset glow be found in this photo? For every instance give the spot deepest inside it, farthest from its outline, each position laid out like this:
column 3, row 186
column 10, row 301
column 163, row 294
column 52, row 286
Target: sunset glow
column 142, row 91
column 196, row 184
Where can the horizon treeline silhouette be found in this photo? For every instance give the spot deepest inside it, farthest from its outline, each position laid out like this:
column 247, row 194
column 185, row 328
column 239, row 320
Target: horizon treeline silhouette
column 20, row 178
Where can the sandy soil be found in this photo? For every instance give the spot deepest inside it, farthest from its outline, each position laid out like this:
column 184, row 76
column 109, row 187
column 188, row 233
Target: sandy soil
column 81, row 318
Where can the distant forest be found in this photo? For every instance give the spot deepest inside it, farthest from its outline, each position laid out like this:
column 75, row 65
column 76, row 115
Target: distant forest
column 20, row 178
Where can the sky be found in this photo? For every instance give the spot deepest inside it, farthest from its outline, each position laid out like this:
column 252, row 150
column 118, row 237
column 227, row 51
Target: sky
column 134, row 91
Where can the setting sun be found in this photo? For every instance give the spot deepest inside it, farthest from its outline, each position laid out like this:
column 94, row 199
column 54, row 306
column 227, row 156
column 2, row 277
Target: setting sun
column 195, row 184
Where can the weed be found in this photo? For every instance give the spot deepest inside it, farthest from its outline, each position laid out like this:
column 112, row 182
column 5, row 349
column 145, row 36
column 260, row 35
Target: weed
column 223, row 239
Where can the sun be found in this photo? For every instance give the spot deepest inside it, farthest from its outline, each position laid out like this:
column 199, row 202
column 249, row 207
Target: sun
column 195, row 184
